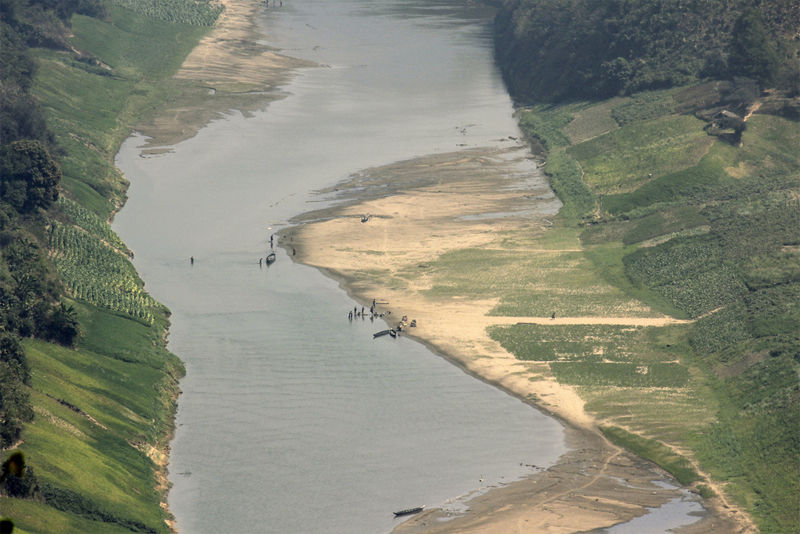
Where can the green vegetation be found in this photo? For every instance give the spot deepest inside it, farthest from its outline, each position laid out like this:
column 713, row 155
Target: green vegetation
column 625, row 159
column 713, row 235
column 654, row 451
column 96, row 273
column 91, row 223
column 594, row 355
column 85, row 381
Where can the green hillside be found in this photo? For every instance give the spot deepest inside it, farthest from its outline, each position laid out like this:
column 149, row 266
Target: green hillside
column 87, row 388
column 553, row 50
column 701, row 223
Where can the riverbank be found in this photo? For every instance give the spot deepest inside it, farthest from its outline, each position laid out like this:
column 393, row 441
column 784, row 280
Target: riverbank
column 440, row 249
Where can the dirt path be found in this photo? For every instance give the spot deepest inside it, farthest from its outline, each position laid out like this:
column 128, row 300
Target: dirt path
column 625, row 321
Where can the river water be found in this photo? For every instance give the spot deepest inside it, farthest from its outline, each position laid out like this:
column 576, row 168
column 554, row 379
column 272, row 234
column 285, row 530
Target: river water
column 292, row 419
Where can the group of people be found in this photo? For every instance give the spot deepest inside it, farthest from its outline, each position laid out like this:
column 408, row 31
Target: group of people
column 373, row 313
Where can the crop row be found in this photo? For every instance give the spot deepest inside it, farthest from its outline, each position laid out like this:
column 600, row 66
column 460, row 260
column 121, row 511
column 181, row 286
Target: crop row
column 96, row 273
column 196, row 13
column 93, row 224
column 664, row 375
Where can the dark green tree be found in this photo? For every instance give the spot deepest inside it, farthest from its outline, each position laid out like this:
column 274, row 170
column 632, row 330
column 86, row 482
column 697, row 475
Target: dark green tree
column 30, row 178
column 752, row 53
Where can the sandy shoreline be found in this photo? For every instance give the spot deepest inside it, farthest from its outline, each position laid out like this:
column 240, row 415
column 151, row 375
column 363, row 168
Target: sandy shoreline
column 228, row 70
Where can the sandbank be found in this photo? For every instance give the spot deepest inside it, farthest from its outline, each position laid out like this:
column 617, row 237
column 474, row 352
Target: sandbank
column 379, row 241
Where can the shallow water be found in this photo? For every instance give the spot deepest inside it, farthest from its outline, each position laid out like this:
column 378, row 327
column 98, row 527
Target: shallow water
column 293, row 419
column 676, row 513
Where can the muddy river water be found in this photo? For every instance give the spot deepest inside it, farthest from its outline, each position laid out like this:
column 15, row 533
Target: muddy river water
column 292, row 418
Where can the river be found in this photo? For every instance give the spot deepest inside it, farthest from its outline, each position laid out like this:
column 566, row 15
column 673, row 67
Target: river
column 293, row 419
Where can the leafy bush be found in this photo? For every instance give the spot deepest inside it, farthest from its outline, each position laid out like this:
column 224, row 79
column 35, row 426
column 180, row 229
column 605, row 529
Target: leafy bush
column 29, row 178
column 556, row 50
column 15, row 406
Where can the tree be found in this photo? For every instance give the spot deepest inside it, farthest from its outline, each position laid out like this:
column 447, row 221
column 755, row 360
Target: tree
column 752, row 53
column 30, row 178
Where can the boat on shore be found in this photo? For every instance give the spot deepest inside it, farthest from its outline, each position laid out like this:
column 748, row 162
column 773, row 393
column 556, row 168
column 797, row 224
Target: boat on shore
column 409, row 511
column 392, row 333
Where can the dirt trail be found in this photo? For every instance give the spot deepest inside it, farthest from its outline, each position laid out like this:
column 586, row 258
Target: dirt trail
column 626, row 321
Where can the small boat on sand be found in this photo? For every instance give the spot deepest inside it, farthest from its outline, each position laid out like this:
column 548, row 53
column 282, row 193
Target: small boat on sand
column 271, row 258
column 392, row 333
column 381, row 333
column 410, row 511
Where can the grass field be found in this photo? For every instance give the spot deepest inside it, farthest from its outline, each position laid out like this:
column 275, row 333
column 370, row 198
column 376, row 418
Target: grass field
column 95, row 412
column 534, row 274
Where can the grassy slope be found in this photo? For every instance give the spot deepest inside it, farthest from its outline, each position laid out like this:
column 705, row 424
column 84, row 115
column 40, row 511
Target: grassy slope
column 103, row 409
column 714, row 231
column 92, row 113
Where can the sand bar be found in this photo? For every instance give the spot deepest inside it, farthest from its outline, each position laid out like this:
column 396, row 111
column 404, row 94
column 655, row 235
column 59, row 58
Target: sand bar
column 383, row 245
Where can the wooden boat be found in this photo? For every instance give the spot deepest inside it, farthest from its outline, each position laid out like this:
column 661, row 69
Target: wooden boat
column 381, row 333
column 271, row 258
column 409, row 511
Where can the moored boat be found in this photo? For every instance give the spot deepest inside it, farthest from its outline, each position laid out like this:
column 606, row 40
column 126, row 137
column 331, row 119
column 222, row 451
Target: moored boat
column 381, row 333
column 271, row 258
column 410, row 511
